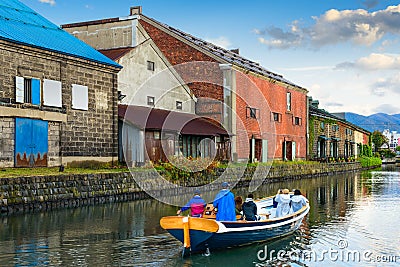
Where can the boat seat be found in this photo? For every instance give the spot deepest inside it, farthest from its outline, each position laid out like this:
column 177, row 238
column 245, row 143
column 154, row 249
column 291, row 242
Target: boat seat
column 211, row 213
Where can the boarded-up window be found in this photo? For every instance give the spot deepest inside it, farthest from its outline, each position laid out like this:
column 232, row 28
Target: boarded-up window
column 52, row 94
column 80, row 97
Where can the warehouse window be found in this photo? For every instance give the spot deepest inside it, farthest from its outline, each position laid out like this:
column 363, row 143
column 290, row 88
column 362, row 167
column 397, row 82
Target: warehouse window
column 52, row 95
column 150, row 65
column 150, row 100
column 27, row 90
column 80, row 97
column 179, row 105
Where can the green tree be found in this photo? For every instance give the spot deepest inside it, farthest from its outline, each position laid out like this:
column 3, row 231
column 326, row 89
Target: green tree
column 397, row 148
column 366, row 151
column 378, row 139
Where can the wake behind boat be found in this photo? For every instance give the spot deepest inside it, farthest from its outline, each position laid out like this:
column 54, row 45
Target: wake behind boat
column 204, row 234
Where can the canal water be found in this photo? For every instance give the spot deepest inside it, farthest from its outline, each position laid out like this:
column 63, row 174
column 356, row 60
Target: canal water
column 354, row 221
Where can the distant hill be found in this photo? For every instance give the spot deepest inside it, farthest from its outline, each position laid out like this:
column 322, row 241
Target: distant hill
column 378, row 121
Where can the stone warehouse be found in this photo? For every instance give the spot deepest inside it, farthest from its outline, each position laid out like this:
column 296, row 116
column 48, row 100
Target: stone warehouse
column 58, row 96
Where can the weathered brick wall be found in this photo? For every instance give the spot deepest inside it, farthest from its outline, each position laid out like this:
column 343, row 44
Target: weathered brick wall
column 7, row 141
column 53, row 155
column 267, row 97
column 91, row 133
column 204, row 79
column 253, row 91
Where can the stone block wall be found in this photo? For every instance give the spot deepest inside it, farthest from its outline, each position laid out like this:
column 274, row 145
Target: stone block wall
column 91, row 133
column 73, row 134
column 7, row 141
column 63, row 191
column 53, row 155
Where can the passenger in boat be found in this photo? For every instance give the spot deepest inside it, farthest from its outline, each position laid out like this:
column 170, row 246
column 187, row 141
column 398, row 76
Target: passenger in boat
column 298, row 200
column 196, row 205
column 238, row 206
column 225, row 203
column 274, row 203
column 283, row 200
column 249, row 209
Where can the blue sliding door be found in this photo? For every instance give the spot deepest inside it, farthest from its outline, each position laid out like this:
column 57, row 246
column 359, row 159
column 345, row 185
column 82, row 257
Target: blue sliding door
column 31, row 142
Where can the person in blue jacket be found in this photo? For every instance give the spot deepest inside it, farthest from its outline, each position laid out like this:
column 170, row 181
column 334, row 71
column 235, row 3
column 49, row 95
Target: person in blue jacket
column 196, row 205
column 225, row 204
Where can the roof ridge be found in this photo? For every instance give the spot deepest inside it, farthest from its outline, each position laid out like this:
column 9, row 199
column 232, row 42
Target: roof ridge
column 29, row 11
column 225, row 54
column 32, row 24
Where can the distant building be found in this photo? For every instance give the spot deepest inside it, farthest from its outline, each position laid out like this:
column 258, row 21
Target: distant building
column 58, row 99
column 393, row 138
column 332, row 136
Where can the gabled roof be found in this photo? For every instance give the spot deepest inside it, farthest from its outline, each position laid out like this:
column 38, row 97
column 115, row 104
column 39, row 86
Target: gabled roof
column 20, row 24
column 325, row 114
column 226, row 55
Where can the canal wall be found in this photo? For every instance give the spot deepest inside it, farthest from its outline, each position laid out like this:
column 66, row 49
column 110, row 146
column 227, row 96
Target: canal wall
column 26, row 194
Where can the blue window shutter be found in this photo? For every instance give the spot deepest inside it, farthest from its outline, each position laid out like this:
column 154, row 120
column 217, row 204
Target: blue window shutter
column 35, row 92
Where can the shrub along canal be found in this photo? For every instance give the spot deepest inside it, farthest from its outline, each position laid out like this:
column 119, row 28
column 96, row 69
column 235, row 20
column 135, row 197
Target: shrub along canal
column 353, row 221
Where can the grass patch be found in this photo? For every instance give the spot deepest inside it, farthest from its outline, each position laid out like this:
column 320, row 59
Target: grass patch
column 24, row 172
column 369, row 161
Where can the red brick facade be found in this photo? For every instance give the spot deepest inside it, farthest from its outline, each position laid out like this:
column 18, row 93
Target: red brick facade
column 268, row 98
column 253, row 92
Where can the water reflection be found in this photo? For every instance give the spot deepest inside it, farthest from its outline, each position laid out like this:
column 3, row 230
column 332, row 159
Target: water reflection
column 360, row 209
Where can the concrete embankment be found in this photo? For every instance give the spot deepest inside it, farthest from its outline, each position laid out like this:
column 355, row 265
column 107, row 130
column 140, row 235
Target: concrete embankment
column 26, row 194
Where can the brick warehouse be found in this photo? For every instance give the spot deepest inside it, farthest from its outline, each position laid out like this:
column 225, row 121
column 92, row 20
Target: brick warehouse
column 257, row 136
column 58, row 96
column 275, row 128
column 332, row 137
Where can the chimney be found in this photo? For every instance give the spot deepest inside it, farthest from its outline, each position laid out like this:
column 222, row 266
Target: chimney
column 236, row 51
column 315, row 103
column 136, row 10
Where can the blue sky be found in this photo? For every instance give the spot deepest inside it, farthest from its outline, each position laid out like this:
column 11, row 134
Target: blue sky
column 346, row 53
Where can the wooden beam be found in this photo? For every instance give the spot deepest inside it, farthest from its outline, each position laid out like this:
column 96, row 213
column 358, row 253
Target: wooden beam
column 201, row 224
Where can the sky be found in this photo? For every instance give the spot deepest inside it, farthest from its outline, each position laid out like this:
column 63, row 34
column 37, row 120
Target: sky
column 344, row 52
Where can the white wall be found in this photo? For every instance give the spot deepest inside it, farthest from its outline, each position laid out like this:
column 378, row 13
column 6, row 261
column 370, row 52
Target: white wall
column 137, row 82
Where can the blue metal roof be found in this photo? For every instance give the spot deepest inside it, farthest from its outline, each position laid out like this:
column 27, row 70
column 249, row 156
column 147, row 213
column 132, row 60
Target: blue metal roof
column 20, row 24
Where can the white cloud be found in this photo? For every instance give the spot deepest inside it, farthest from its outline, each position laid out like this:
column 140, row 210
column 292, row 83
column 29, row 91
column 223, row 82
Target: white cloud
column 387, row 108
column 356, row 26
column 374, row 61
column 50, row 2
column 387, row 86
column 221, row 41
